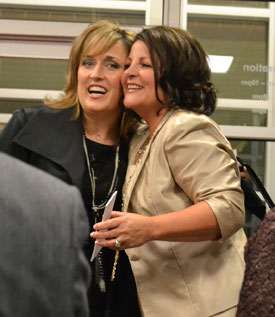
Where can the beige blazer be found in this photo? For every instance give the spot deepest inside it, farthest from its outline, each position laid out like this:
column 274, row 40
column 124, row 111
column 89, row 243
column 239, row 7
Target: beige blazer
column 188, row 160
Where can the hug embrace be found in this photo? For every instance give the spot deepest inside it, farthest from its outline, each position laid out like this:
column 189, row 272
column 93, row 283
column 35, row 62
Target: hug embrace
column 135, row 118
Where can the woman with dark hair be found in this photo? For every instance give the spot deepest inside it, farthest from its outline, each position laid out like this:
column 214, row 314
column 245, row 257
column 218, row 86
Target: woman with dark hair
column 184, row 207
column 81, row 138
column 181, row 71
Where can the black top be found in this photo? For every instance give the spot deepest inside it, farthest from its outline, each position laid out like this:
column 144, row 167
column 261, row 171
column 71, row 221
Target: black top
column 121, row 295
column 102, row 160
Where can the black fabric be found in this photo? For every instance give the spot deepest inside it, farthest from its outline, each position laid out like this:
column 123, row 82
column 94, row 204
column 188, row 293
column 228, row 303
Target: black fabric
column 253, row 203
column 51, row 141
column 254, row 177
column 102, row 160
column 48, row 139
column 122, row 295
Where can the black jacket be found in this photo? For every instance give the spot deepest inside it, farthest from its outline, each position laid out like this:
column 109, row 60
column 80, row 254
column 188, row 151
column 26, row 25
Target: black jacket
column 48, row 139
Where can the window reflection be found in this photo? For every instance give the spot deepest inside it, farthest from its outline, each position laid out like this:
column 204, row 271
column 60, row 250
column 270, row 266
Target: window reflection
column 246, row 42
column 239, row 117
column 235, row 3
column 78, row 15
column 10, row 105
column 22, row 73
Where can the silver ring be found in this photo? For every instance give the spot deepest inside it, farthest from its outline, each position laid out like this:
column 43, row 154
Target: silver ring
column 117, row 244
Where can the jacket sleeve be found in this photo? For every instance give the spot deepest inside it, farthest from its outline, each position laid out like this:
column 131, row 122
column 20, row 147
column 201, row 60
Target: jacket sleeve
column 204, row 166
column 10, row 131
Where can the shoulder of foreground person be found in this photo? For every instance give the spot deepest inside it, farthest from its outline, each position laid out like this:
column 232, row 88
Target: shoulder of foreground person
column 43, row 227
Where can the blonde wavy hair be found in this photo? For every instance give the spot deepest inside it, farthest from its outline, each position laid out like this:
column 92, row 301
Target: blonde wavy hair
column 101, row 36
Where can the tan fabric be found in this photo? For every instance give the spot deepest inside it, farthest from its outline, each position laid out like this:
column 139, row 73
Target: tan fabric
column 188, row 160
column 228, row 313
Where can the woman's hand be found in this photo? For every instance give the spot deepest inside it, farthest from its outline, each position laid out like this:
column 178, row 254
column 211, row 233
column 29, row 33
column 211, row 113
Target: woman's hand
column 243, row 171
column 130, row 230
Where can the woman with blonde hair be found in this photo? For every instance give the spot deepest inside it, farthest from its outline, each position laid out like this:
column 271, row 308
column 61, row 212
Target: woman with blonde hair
column 81, row 138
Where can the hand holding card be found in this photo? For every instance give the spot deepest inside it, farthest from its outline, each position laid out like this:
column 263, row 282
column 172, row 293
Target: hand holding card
column 106, row 215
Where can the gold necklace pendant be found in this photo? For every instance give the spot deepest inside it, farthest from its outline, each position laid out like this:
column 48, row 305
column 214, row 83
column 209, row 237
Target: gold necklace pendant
column 142, row 150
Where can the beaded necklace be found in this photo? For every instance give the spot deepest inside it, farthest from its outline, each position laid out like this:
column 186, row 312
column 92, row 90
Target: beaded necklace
column 96, row 208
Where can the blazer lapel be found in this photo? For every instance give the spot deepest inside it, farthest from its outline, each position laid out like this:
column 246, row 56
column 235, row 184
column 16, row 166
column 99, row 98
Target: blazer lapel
column 134, row 170
column 53, row 135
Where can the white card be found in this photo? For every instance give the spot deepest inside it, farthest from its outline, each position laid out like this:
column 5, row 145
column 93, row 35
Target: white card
column 106, row 215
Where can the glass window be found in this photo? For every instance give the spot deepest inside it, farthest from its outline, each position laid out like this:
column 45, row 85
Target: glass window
column 232, row 3
column 10, row 105
column 252, row 153
column 42, row 35
column 87, row 15
column 240, row 117
column 243, row 45
column 26, row 73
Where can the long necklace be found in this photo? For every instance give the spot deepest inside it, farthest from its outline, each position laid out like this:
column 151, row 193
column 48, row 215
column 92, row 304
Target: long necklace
column 99, row 260
column 95, row 207
column 137, row 160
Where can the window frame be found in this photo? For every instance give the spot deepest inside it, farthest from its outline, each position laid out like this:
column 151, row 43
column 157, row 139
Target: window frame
column 242, row 132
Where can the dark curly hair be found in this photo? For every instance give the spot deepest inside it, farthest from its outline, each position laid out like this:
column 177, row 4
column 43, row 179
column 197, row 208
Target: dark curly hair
column 180, row 68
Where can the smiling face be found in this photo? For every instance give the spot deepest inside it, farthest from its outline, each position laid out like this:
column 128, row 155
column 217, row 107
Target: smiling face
column 138, row 82
column 99, row 81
